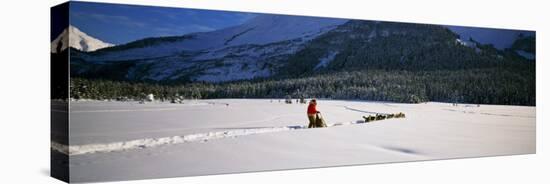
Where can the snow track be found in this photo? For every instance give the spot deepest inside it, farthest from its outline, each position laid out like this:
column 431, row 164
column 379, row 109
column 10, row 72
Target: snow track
column 154, row 142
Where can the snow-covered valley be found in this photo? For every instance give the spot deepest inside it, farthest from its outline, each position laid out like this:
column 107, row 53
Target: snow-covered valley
column 126, row 140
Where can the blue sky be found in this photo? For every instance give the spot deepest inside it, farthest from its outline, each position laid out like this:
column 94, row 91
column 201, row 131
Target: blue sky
column 120, row 24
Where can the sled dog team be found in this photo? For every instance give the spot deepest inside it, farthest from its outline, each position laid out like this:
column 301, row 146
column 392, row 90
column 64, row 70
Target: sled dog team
column 317, row 121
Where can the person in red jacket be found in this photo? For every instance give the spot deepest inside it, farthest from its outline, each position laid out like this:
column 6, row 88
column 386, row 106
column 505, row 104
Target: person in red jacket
column 312, row 113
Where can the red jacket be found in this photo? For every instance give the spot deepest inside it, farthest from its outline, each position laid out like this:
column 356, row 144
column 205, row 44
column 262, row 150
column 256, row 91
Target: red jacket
column 311, row 109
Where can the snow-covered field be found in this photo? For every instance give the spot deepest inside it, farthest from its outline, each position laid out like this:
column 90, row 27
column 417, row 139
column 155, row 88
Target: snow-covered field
column 127, row 140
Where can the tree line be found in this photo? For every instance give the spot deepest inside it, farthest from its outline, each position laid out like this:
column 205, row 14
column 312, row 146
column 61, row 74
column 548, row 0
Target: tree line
column 479, row 86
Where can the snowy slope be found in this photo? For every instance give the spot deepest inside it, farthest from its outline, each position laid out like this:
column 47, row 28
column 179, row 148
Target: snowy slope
column 500, row 38
column 261, row 30
column 274, row 28
column 252, row 49
column 323, row 62
column 78, row 40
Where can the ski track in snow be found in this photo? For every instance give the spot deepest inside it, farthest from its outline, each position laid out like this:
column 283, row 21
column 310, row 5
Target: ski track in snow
column 154, row 142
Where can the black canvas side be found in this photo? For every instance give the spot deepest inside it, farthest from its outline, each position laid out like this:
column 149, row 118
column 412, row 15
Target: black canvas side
column 59, row 91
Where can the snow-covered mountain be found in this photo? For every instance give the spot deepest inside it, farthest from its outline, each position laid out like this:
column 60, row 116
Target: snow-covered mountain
column 261, row 30
column 77, row 39
column 269, row 45
column 245, row 51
